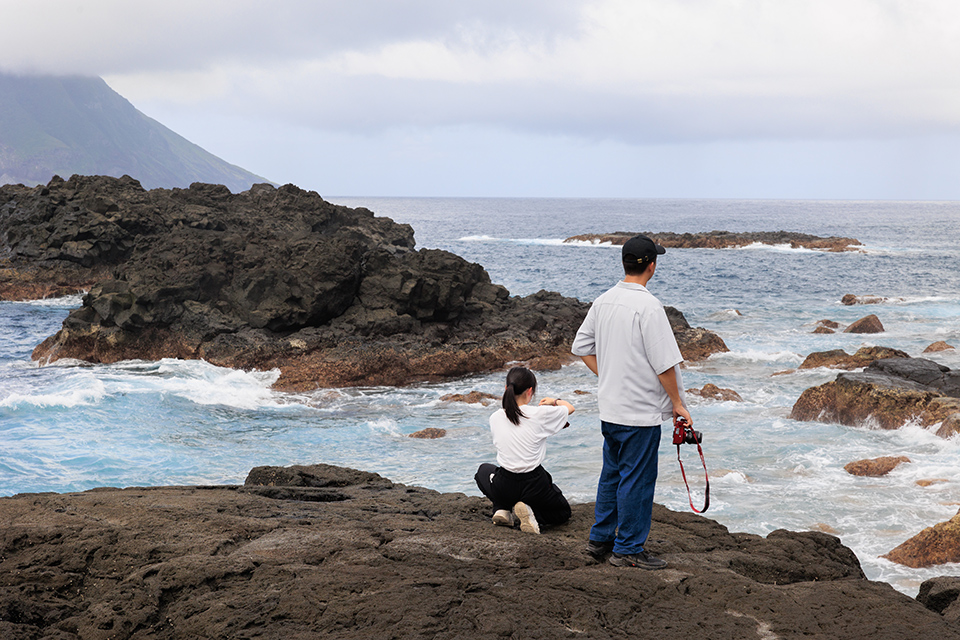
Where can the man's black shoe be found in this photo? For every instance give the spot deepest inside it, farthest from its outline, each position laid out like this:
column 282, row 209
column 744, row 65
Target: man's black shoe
column 642, row 560
column 599, row 550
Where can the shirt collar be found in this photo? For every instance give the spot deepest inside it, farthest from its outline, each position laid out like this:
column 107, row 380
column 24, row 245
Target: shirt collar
column 631, row 285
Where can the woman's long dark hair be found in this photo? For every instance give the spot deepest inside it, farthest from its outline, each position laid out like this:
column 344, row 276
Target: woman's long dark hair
column 519, row 379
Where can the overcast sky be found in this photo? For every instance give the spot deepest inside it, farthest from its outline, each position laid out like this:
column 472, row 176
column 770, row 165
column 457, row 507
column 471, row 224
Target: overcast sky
column 647, row 98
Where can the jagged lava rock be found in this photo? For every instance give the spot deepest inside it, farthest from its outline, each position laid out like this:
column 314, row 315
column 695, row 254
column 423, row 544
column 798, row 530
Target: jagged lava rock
column 320, row 551
column 695, row 343
column 273, row 279
column 888, row 393
column 940, row 595
column 875, row 467
column 867, row 324
column 934, row 545
column 840, row 359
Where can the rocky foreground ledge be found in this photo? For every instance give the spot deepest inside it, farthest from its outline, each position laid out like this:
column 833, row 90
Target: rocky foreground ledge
column 270, row 278
column 727, row 240
column 323, row 551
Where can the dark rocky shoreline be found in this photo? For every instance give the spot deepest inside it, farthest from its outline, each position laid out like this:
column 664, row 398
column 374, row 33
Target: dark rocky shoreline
column 304, row 552
column 271, row 278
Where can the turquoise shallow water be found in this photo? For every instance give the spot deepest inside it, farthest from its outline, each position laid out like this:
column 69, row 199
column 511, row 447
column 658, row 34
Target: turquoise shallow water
column 75, row 426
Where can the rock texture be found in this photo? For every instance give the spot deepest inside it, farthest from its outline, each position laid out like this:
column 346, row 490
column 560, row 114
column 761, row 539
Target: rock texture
column 888, row 393
column 875, row 467
column 271, row 278
column 934, row 545
column 938, row 346
column 867, row 324
column 713, row 392
column 430, row 433
column 474, row 397
column 840, row 359
column 726, row 240
column 941, row 595
column 321, row 551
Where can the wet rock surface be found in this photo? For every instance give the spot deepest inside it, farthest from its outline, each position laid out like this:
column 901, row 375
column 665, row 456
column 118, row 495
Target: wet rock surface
column 711, row 391
column 867, row 324
column 840, row 359
column 888, row 393
column 934, row 545
column 695, row 343
column 320, row 551
column 271, row 279
column 875, row 467
column 726, row 240
column 851, row 299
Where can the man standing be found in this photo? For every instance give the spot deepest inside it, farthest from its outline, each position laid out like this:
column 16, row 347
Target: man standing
column 627, row 341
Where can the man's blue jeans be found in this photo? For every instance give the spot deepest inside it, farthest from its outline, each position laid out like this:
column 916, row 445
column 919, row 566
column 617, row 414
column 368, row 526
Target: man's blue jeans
column 627, row 481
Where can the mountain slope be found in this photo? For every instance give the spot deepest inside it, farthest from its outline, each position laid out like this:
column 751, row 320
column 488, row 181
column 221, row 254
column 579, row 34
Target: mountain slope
column 78, row 125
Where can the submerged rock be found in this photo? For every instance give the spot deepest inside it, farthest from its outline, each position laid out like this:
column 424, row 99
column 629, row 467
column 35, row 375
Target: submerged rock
column 272, row 279
column 851, row 299
column 474, row 397
column 320, row 551
column 713, row 392
column 938, row 346
column 726, row 240
column 888, row 393
column 875, row 467
column 430, row 433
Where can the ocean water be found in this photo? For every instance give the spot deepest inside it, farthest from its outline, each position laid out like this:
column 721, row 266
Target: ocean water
column 74, row 426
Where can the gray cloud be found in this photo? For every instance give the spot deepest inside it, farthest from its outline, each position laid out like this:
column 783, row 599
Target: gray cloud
column 104, row 37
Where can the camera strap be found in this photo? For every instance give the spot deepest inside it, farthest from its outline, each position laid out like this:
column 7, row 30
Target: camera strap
column 706, row 499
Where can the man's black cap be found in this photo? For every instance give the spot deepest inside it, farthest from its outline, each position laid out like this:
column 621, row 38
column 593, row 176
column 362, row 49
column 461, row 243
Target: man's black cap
column 641, row 249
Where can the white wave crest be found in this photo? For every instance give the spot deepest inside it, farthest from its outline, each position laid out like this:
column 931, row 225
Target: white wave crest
column 756, row 355
column 91, row 393
column 66, row 302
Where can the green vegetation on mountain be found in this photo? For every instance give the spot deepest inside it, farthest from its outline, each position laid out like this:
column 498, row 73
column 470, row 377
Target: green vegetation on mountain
column 67, row 125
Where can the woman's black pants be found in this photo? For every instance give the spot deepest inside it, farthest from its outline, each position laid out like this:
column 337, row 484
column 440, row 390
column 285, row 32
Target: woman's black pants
column 535, row 488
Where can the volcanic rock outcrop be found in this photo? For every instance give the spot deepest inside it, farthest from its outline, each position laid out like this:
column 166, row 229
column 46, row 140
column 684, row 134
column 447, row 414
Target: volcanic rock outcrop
column 726, row 240
column 320, row 551
column 270, row 279
column 840, row 359
column 888, row 393
column 934, row 545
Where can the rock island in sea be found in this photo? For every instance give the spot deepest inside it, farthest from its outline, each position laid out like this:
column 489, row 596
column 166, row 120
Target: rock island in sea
column 270, row 278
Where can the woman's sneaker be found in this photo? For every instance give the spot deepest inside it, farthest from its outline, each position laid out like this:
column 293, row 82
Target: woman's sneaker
column 642, row 560
column 503, row 518
column 528, row 522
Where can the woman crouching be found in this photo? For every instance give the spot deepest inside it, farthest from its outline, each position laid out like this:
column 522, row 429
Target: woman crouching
column 520, row 488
